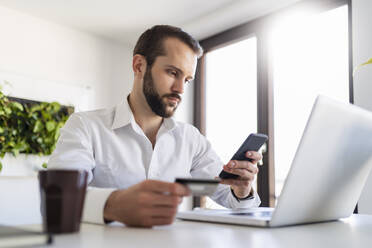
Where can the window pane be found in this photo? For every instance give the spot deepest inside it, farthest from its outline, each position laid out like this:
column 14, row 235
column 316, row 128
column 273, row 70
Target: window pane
column 310, row 58
column 231, row 97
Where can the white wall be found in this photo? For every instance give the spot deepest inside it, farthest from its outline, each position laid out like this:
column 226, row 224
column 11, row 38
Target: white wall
column 45, row 54
column 362, row 51
column 44, row 51
column 39, row 49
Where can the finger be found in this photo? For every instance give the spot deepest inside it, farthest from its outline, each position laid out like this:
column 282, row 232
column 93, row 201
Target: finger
column 234, row 164
column 162, row 212
column 256, row 156
column 166, row 200
column 242, row 173
column 157, row 221
column 230, row 170
column 165, row 187
column 236, row 182
column 151, row 199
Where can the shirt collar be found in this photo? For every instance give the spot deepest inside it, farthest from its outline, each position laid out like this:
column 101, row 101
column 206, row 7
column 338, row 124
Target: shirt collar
column 169, row 123
column 124, row 115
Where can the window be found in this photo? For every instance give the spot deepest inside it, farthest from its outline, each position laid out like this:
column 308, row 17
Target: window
column 231, row 97
column 310, row 57
column 299, row 52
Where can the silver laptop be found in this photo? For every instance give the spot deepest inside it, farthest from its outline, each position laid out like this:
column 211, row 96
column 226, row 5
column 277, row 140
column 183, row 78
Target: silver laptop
column 327, row 175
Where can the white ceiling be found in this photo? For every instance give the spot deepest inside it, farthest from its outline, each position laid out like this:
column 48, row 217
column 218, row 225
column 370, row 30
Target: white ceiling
column 125, row 20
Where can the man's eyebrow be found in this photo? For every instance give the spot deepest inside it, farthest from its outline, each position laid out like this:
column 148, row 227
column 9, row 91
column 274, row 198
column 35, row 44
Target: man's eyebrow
column 178, row 69
column 175, row 68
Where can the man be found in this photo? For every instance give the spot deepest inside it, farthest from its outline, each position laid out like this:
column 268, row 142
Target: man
column 133, row 152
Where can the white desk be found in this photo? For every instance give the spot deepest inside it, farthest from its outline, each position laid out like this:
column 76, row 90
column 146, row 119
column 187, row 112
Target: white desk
column 355, row 231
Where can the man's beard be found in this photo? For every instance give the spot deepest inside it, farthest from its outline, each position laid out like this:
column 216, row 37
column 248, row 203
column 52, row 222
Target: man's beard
column 154, row 100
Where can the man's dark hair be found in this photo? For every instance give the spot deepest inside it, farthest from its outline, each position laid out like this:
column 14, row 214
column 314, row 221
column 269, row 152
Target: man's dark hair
column 150, row 43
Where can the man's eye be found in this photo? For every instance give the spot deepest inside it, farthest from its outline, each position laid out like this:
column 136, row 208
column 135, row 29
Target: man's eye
column 173, row 73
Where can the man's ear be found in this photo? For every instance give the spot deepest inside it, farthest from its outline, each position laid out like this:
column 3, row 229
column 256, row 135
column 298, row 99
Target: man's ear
column 139, row 64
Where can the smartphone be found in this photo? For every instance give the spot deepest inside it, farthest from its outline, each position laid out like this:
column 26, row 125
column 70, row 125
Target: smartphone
column 252, row 143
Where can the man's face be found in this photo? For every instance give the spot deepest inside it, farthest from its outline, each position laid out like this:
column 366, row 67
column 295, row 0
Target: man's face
column 163, row 83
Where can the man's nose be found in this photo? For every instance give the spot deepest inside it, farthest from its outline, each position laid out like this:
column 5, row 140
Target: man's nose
column 178, row 86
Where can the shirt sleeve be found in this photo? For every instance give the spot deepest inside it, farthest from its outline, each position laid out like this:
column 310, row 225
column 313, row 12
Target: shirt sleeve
column 74, row 150
column 95, row 200
column 207, row 164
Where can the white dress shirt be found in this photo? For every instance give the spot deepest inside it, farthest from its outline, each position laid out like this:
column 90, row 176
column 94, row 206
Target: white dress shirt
column 112, row 147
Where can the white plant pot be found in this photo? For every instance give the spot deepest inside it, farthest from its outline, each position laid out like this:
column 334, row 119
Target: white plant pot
column 22, row 165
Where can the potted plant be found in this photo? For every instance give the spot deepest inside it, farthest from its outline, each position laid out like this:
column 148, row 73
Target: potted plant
column 29, row 128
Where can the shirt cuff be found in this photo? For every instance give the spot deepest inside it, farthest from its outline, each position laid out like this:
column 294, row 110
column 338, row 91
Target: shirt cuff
column 95, row 201
column 252, row 201
column 249, row 197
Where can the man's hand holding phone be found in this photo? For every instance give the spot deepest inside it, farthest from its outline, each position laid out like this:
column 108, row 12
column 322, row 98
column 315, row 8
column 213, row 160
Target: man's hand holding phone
column 246, row 171
column 242, row 168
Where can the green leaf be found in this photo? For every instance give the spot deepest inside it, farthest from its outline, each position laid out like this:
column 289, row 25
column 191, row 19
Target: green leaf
column 367, row 62
column 363, row 64
column 56, row 106
column 15, row 152
column 21, row 146
column 17, row 105
column 1, row 166
column 35, row 108
column 34, row 116
column 38, row 126
column 1, row 130
column 56, row 135
column 44, row 165
column 8, row 111
column 50, row 126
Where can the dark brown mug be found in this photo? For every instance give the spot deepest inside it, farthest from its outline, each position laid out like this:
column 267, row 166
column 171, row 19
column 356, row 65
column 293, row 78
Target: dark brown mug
column 62, row 194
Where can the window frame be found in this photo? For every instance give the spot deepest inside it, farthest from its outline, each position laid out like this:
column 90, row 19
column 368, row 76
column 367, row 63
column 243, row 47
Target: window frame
column 260, row 28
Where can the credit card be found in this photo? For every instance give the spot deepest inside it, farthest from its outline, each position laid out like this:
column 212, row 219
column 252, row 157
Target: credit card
column 199, row 186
